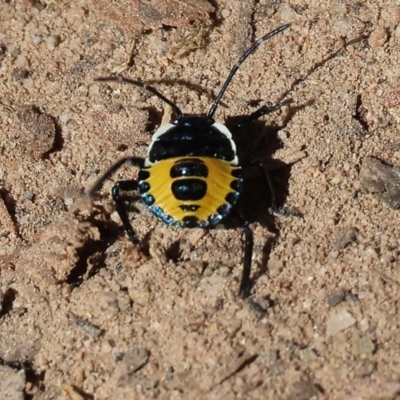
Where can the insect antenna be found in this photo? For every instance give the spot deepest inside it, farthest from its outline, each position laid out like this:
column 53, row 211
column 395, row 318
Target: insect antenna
column 142, row 85
column 239, row 63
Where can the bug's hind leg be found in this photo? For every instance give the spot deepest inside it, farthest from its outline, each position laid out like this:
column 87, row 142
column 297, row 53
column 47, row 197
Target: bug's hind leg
column 245, row 283
column 127, row 186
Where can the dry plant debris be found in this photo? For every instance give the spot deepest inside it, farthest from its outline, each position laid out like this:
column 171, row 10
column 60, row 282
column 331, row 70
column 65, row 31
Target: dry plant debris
column 153, row 14
column 38, row 131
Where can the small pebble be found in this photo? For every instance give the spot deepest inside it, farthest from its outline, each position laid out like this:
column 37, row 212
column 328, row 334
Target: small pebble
column 381, row 180
column 39, row 131
column 364, row 345
column 68, row 201
column 115, row 217
column 21, row 62
column 136, row 359
column 36, row 39
column 345, row 236
column 52, row 41
column 378, row 37
column 225, row 13
column 336, row 298
column 339, row 322
column 391, row 99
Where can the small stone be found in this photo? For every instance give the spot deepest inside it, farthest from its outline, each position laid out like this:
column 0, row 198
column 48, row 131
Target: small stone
column 303, row 390
column 39, row 131
column 282, row 134
column 339, row 322
column 364, row 345
column 345, row 236
column 22, row 62
column 378, row 37
column 234, row 328
column 136, row 359
column 52, row 41
column 28, row 194
column 334, row 254
column 106, row 346
column 287, row 13
column 36, row 39
column 381, row 180
column 225, row 13
column 391, row 99
column 115, row 217
column 364, row 324
column 308, row 355
column 336, row 298
column 86, row 327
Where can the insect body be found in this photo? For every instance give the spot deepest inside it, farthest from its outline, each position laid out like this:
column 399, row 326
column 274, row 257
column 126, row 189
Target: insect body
column 191, row 176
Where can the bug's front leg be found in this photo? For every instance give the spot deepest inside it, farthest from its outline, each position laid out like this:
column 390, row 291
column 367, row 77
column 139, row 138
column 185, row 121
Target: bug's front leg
column 243, row 120
column 265, row 110
column 129, row 185
column 120, row 206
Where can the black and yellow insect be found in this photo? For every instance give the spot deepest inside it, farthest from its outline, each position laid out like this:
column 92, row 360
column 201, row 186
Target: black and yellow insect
column 191, row 177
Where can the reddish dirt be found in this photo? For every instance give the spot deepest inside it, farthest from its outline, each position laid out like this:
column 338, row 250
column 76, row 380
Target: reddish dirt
column 84, row 314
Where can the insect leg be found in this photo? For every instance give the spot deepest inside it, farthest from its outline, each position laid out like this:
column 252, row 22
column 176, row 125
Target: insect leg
column 265, row 110
column 134, row 161
column 130, row 185
column 268, row 182
column 245, row 283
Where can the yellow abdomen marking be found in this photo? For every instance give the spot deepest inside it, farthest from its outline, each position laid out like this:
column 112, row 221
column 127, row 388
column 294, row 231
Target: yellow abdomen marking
column 198, row 189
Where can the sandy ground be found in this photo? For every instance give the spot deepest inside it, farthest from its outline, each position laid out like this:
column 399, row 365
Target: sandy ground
column 84, row 314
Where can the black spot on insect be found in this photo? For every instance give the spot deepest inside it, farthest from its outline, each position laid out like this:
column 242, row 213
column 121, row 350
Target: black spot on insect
column 148, row 199
column 189, row 189
column 237, row 185
column 224, row 209
column 189, row 168
column 215, row 219
column 237, row 173
column 143, row 187
column 190, row 221
column 232, row 198
column 143, row 175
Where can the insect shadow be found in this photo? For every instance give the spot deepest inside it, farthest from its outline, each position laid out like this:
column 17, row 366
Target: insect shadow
column 260, row 141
